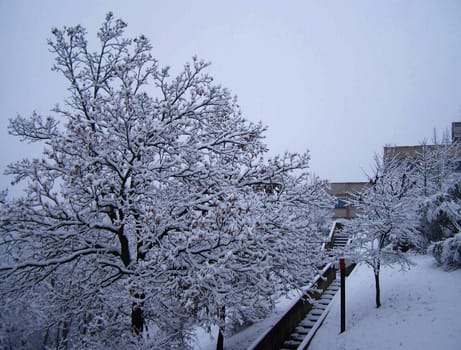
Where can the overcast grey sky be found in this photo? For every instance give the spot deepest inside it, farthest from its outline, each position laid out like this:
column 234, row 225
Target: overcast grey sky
column 339, row 78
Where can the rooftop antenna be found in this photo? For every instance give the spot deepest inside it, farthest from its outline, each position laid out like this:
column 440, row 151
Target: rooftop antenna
column 434, row 136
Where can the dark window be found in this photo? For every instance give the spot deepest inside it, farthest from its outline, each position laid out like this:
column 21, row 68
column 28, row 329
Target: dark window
column 341, row 203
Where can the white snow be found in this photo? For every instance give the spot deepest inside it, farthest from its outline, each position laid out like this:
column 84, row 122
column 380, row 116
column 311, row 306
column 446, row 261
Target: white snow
column 248, row 336
column 420, row 310
column 205, row 340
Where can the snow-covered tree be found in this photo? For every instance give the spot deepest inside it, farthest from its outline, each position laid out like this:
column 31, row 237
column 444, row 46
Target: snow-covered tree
column 438, row 181
column 153, row 208
column 387, row 217
column 448, row 252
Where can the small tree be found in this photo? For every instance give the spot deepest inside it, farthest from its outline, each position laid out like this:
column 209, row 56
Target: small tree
column 386, row 214
column 152, row 208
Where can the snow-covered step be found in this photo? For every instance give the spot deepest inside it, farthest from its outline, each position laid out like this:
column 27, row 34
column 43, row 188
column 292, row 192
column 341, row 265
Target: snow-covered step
column 331, row 294
column 306, row 323
column 304, row 330
column 291, row 344
column 317, row 311
column 340, row 241
column 334, row 284
column 312, row 317
column 323, row 301
column 331, row 290
column 328, row 294
column 297, row 337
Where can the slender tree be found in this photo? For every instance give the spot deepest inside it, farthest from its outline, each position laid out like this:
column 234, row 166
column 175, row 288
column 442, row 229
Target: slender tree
column 387, row 214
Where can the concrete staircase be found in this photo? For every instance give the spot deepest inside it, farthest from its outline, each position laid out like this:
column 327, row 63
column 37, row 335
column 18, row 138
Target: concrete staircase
column 300, row 338
column 296, row 328
column 340, row 240
column 303, row 333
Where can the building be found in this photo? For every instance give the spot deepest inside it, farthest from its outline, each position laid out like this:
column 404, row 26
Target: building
column 414, row 152
column 420, row 152
column 456, row 132
column 343, row 192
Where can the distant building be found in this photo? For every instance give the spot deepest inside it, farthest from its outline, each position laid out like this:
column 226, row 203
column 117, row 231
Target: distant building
column 415, row 152
column 456, row 131
column 404, row 152
column 343, row 192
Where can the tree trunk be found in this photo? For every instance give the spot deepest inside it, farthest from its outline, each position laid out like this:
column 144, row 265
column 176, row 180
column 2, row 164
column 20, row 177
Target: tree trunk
column 220, row 344
column 137, row 314
column 222, row 316
column 378, row 289
column 137, row 318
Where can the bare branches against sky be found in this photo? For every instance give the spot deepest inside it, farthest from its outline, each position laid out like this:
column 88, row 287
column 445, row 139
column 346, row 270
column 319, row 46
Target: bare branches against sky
column 338, row 78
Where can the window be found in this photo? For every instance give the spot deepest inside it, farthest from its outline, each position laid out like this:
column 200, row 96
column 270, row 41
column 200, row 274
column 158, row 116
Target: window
column 341, row 203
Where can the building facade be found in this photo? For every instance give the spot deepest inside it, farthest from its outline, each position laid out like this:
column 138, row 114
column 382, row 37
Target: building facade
column 343, row 191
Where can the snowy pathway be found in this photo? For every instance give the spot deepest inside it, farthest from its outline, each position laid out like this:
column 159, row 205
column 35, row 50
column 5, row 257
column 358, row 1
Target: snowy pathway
column 420, row 310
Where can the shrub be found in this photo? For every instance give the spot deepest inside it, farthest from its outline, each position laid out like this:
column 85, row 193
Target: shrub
column 448, row 252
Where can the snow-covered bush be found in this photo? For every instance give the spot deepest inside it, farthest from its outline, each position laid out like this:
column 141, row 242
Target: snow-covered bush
column 448, row 252
column 441, row 213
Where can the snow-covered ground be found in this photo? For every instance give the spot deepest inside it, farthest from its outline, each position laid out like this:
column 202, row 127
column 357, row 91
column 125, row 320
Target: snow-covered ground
column 421, row 310
column 248, row 336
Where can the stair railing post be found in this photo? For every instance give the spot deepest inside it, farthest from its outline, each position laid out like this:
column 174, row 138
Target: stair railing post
column 342, row 268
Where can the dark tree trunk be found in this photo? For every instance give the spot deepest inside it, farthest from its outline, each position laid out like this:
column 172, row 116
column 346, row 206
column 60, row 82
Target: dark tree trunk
column 137, row 314
column 137, row 319
column 220, row 344
column 222, row 316
column 124, row 248
column 378, row 289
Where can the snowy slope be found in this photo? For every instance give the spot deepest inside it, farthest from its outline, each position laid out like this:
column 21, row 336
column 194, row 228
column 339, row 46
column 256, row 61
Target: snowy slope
column 420, row 310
